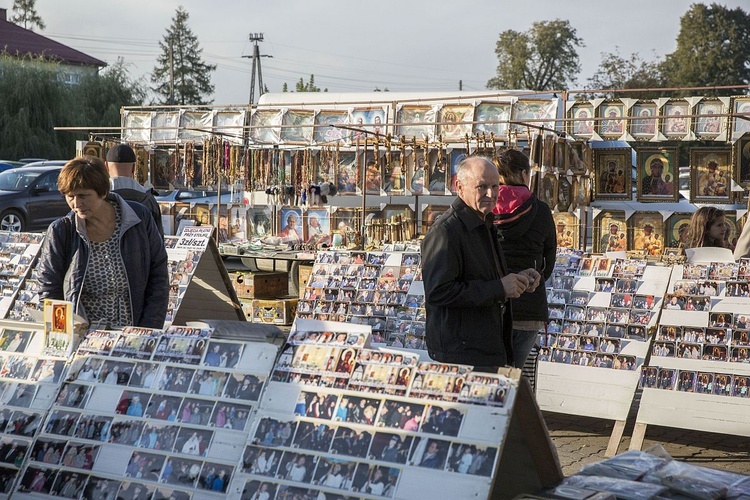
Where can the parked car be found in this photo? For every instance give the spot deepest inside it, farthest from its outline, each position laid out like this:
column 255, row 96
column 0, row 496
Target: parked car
column 29, row 198
column 197, row 196
column 7, row 164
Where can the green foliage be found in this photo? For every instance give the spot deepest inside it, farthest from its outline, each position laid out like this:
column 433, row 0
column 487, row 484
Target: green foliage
column 542, row 58
column 713, row 49
column 617, row 72
column 301, row 86
column 33, row 100
column 24, row 14
column 192, row 77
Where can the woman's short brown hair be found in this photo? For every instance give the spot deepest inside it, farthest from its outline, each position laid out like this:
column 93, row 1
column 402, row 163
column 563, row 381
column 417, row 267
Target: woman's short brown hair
column 84, row 172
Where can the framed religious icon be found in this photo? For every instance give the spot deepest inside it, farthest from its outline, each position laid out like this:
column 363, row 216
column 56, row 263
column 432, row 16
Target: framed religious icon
column 644, row 126
column 582, row 124
column 367, row 121
column 456, row 156
column 610, row 232
column 733, row 227
column 453, row 118
column 317, row 226
column 417, row 172
column 582, row 196
column 347, row 175
column 647, row 232
column 265, row 126
column 325, row 131
column 741, row 106
column 394, row 181
column 297, row 127
column 492, row 118
column 742, row 162
column 567, row 227
column 533, row 112
column 673, row 123
column 290, row 223
column 711, row 175
column 657, row 175
column 565, row 193
column 437, row 180
column 547, row 189
column 611, row 125
column 677, row 229
column 416, row 122
column 613, row 174
column 708, row 123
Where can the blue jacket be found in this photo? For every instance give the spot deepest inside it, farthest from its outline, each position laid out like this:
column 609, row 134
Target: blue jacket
column 65, row 254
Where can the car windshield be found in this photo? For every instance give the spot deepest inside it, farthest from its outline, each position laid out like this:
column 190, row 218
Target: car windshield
column 17, row 179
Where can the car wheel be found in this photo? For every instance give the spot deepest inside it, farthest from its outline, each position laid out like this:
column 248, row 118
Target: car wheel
column 12, row 221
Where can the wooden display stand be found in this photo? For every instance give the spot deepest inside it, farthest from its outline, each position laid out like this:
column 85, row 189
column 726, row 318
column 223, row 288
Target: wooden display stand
column 210, row 293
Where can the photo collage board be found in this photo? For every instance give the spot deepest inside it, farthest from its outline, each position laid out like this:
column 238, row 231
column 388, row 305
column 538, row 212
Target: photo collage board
column 347, row 421
column 29, row 382
column 602, row 310
column 381, row 289
column 145, row 413
column 18, row 251
column 702, row 343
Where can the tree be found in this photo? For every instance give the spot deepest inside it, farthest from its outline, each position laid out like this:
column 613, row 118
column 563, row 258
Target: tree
column 25, row 14
column 191, row 76
column 301, row 86
column 617, row 72
column 542, row 58
column 713, row 49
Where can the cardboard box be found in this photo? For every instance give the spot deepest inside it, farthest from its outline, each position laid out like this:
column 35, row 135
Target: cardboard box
column 303, row 272
column 277, row 312
column 261, row 285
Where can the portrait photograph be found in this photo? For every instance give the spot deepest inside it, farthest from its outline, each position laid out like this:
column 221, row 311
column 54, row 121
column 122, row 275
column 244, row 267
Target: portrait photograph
column 611, row 125
column 677, row 229
column 657, row 175
column 610, row 232
column 582, row 125
column 647, row 232
column 613, row 174
column 644, row 126
column 741, row 125
column 410, row 118
column 492, row 112
column 673, row 123
column 451, row 117
column 711, row 175
column 290, row 224
column 708, row 123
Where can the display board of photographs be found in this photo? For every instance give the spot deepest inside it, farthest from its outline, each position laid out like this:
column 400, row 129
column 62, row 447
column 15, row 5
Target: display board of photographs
column 18, row 251
column 339, row 418
column 29, row 382
column 701, row 351
column 601, row 311
column 145, row 412
column 380, row 289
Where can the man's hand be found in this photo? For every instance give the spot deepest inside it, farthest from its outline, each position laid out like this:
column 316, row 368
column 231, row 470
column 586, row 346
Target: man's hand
column 534, row 278
column 514, row 285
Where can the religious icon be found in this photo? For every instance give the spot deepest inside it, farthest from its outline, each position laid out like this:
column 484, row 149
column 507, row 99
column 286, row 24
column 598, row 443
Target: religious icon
column 613, row 174
column 711, row 174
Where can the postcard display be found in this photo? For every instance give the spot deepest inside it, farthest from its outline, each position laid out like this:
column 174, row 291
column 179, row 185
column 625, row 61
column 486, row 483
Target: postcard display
column 139, row 412
column 601, row 309
column 340, row 419
column 699, row 373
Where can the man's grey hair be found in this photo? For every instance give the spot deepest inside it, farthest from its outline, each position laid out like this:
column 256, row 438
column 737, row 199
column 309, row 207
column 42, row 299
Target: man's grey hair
column 463, row 171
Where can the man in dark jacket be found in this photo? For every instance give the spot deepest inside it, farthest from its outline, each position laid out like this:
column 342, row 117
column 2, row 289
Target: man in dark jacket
column 465, row 278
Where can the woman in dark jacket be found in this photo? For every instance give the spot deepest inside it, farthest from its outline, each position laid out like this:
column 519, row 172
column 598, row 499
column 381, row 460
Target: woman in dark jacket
column 526, row 232
column 106, row 256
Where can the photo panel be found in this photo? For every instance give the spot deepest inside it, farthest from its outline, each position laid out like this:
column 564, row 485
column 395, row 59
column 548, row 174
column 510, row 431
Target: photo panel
column 430, row 453
column 376, row 480
column 159, row 437
column 473, row 459
column 275, row 432
column 647, row 232
column 215, row 477
column 613, row 174
column 261, row 461
column 493, row 119
column 297, row 467
column 741, row 105
column 390, row 447
column 335, row 473
column 179, row 471
column 711, row 172
column 657, row 175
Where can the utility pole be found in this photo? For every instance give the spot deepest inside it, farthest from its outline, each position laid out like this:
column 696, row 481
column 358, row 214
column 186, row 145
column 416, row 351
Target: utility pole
column 255, row 38
column 460, row 85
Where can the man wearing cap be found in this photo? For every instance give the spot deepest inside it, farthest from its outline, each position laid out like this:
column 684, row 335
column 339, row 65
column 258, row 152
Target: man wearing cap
column 121, row 166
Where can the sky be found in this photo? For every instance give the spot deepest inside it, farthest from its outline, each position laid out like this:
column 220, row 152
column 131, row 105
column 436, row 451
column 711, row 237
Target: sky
column 353, row 45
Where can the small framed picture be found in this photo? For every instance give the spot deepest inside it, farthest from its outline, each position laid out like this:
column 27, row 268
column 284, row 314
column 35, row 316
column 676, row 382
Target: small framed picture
column 645, row 125
column 567, row 228
column 741, row 124
column 582, row 114
column 647, row 232
column 677, row 229
column 565, row 192
column 582, row 197
column 657, row 175
column 611, row 125
column 674, row 125
column 708, row 123
column 547, row 189
column 711, row 172
column 613, row 174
